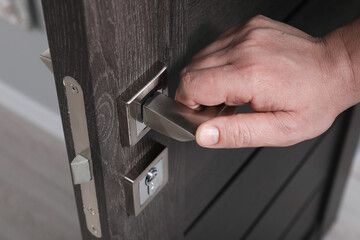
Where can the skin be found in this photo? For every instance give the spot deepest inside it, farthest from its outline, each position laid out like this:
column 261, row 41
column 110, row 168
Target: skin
column 295, row 84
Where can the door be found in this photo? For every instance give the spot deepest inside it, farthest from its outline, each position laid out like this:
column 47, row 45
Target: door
column 105, row 47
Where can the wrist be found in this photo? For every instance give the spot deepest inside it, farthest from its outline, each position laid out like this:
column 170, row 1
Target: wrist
column 341, row 82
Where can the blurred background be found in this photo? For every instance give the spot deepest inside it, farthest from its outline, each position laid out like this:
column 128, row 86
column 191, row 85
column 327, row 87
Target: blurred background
column 36, row 195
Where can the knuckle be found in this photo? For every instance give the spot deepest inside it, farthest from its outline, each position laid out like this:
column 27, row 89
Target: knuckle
column 237, row 135
column 289, row 126
column 205, row 62
column 252, row 69
column 186, row 89
column 186, row 78
column 258, row 20
column 239, row 47
column 200, row 53
column 183, row 72
column 243, row 135
column 256, row 35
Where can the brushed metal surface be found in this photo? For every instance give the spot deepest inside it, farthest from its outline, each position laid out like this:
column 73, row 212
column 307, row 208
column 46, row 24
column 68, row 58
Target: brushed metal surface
column 80, row 167
column 136, row 189
column 80, row 135
column 176, row 120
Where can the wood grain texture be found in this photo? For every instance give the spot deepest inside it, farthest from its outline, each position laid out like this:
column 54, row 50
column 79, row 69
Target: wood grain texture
column 106, row 46
column 309, row 179
column 306, row 220
column 320, row 17
column 36, row 195
column 67, row 42
column 209, row 18
column 247, row 196
column 209, row 171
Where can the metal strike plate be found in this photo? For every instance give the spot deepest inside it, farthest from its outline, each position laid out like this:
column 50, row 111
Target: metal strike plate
column 81, row 165
column 142, row 184
column 129, row 107
column 80, row 136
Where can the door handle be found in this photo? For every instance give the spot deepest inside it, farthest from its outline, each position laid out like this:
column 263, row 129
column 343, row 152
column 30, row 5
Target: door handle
column 141, row 183
column 149, row 107
column 174, row 119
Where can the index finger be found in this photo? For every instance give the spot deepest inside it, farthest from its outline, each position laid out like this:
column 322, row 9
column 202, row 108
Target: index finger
column 213, row 86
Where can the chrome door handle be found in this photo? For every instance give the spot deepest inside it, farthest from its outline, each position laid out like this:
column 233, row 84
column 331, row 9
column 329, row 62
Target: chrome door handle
column 150, row 108
column 174, row 119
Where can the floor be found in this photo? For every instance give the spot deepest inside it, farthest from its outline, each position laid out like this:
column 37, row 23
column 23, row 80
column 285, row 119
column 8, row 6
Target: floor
column 36, row 192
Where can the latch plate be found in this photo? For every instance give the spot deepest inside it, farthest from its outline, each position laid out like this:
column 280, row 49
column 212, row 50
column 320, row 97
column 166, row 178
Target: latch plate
column 81, row 166
column 79, row 130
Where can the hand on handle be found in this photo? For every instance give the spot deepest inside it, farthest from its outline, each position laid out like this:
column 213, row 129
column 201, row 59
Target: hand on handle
column 295, row 83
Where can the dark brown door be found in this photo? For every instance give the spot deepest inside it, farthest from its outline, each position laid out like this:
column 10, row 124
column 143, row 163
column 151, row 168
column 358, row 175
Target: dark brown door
column 263, row 193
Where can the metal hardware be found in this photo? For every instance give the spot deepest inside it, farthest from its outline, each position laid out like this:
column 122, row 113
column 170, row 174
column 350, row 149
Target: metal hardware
column 151, row 108
column 142, row 185
column 45, row 57
column 131, row 105
column 174, row 119
column 83, row 170
column 80, row 167
column 149, row 181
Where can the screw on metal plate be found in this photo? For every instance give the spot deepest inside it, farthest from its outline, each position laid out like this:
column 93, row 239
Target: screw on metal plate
column 81, row 166
column 73, row 88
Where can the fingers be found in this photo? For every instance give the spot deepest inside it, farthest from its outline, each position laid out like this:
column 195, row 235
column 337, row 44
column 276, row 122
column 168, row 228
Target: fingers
column 249, row 130
column 217, row 59
column 239, row 31
column 220, row 43
column 213, row 86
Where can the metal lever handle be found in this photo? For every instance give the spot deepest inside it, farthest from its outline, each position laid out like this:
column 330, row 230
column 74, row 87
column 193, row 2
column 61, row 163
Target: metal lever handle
column 146, row 106
column 163, row 114
column 175, row 120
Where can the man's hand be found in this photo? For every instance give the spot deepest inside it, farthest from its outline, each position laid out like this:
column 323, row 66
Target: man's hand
column 296, row 84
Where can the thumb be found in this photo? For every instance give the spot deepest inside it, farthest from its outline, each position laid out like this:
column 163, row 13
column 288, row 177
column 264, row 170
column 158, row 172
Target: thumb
column 249, row 130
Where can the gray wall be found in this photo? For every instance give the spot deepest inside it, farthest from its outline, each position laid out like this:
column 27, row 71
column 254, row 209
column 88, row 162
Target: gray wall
column 20, row 66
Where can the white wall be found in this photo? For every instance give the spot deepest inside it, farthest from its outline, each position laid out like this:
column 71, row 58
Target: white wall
column 26, row 85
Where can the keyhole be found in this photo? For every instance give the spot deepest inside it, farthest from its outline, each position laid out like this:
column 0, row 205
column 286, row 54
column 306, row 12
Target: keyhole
column 149, row 180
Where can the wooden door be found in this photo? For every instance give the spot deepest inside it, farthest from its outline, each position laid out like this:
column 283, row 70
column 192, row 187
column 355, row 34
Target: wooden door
column 211, row 194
